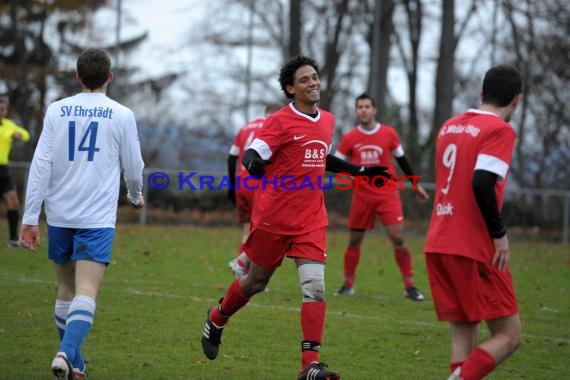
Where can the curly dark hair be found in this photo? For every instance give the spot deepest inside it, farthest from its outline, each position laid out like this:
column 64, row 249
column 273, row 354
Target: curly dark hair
column 93, row 67
column 287, row 73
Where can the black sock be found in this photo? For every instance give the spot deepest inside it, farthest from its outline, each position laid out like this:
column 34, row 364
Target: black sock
column 13, row 216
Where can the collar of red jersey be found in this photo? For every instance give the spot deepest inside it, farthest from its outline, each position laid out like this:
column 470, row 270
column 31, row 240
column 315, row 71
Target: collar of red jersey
column 371, row 131
column 474, row 110
column 304, row 114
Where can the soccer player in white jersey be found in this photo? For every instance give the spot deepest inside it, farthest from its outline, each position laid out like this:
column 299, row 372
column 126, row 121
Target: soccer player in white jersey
column 87, row 139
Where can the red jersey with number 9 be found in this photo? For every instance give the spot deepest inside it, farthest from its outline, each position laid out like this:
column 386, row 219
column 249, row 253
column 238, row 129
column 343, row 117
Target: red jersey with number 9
column 290, row 200
column 465, row 143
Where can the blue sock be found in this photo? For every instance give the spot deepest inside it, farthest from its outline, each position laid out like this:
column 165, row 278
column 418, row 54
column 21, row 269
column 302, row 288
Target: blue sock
column 60, row 317
column 79, row 321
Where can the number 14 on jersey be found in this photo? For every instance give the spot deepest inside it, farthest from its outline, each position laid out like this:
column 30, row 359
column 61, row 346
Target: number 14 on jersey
column 88, row 141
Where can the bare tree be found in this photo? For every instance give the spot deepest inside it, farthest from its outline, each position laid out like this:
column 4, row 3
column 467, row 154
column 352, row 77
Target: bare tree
column 445, row 76
column 295, row 19
column 384, row 36
column 334, row 27
column 538, row 45
column 332, row 32
column 27, row 60
column 410, row 62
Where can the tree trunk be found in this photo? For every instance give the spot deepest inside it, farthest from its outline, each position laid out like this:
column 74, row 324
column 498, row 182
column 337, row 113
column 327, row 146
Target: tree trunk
column 332, row 56
column 295, row 29
column 445, row 78
column 379, row 73
column 414, row 11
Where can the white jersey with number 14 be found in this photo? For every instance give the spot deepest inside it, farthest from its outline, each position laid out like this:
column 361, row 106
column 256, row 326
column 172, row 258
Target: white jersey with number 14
column 86, row 141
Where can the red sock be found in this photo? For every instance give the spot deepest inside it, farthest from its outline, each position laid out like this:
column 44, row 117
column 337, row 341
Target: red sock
column 404, row 260
column 453, row 366
column 351, row 259
column 478, row 365
column 312, row 324
column 234, row 300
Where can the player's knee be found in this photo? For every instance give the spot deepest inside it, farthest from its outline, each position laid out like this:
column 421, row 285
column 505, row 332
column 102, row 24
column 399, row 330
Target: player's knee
column 313, row 290
column 312, row 277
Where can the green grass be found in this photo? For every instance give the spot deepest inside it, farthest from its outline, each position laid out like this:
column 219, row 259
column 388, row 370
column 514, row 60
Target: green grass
column 151, row 308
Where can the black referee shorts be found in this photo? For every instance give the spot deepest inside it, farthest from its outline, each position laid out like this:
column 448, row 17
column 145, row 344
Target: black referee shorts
column 6, row 183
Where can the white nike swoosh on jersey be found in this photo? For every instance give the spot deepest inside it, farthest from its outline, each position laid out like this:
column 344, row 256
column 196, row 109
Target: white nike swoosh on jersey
column 298, row 137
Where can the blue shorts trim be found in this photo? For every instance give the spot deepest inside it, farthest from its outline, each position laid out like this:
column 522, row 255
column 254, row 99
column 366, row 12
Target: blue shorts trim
column 93, row 244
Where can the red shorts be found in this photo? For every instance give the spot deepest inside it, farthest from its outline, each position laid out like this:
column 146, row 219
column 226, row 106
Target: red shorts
column 467, row 290
column 268, row 249
column 363, row 212
column 244, row 205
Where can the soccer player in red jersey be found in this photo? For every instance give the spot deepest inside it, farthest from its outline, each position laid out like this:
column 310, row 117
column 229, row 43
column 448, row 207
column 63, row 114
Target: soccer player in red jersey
column 239, row 194
column 372, row 143
column 467, row 249
column 290, row 154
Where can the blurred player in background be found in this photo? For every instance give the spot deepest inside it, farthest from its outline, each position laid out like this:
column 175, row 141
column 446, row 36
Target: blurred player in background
column 242, row 197
column 9, row 132
column 288, row 221
column 372, row 143
column 467, row 249
column 86, row 141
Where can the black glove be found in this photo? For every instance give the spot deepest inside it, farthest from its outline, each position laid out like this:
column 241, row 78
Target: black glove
column 253, row 162
column 377, row 174
column 232, row 196
column 256, row 167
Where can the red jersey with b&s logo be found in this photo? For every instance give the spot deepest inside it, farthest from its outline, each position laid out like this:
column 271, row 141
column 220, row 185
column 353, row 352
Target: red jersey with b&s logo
column 290, row 201
column 371, row 148
column 468, row 142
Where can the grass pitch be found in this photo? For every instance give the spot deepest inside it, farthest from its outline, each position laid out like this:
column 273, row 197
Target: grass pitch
column 151, row 309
